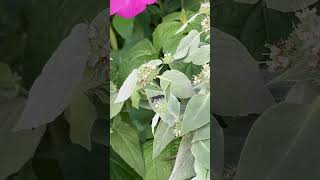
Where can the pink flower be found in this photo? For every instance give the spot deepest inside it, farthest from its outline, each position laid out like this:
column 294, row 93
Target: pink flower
column 129, row 8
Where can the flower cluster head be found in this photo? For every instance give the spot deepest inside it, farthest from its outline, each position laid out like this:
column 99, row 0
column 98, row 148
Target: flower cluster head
column 129, row 8
column 205, row 8
column 302, row 45
column 177, row 128
column 205, row 24
column 146, row 74
column 203, row 77
column 167, row 58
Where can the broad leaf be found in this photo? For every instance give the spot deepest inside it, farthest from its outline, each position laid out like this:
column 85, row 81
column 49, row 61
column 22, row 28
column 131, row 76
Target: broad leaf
column 158, row 168
column 197, row 113
column 16, row 147
column 183, row 167
column 188, row 44
column 123, row 26
column 180, row 85
column 128, row 87
column 237, row 82
column 201, row 152
column 163, row 136
column 52, row 91
column 284, row 140
column 81, row 116
column 125, row 141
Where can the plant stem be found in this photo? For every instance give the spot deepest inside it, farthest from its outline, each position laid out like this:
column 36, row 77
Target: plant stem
column 162, row 8
column 182, row 4
column 113, row 40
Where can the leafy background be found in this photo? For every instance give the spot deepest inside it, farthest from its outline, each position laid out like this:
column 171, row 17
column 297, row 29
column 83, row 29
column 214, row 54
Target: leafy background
column 267, row 138
column 30, row 32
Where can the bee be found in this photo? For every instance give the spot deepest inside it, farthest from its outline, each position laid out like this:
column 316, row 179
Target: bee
column 156, row 98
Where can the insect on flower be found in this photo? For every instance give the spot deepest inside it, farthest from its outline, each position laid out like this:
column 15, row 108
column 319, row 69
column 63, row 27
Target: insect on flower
column 156, row 98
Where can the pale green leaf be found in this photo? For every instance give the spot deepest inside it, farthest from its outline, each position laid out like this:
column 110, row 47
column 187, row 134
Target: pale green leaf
column 16, row 147
column 201, row 152
column 163, row 136
column 127, row 87
column 187, row 44
column 81, row 116
column 53, row 90
column 180, row 85
column 125, row 141
column 183, row 167
column 197, row 113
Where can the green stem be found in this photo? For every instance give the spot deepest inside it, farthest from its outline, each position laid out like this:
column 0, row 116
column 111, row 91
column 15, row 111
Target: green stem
column 113, row 40
column 162, row 8
column 182, row 4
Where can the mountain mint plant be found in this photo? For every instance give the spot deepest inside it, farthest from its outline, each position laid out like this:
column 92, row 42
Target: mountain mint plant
column 179, row 99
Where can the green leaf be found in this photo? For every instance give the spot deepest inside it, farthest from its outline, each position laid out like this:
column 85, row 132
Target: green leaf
column 247, row 1
column 188, row 44
column 119, row 169
column 173, row 112
column 53, row 90
column 26, row 173
column 202, row 133
column 201, row 152
column 289, row 5
column 130, row 58
column 78, row 163
column 238, row 83
column 158, row 168
column 123, row 26
column 200, row 56
column 115, row 108
column 201, row 172
column 128, row 87
column 164, row 37
column 183, row 167
column 16, row 147
column 8, row 86
column 180, row 85
column 135, row 99
column 62, row 15
column 287, row 135
column 217, row 146
column 197, row 113
column 163, row 136
column 81, row 116
column 302, row 93
column 189, row 69
column 125, row 141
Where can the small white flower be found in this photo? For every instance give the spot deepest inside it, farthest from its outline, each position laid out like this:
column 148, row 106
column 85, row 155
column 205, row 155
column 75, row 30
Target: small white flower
column 206, row 24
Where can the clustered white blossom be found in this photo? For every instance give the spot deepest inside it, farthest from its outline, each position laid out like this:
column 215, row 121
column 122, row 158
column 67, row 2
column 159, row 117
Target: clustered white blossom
column 146, row 74
column 206, row 24
column 177, row 128
column 205, row 8
column 303, row 44
column 167, row 58
column 204, row 76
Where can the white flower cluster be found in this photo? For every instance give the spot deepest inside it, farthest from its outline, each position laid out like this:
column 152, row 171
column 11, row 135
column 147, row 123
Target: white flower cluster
column 167, row 58
column 204, row 76
column 205, row 8
column 146, row 74
column 177, row 128
column 303, row 44
column 206, row 24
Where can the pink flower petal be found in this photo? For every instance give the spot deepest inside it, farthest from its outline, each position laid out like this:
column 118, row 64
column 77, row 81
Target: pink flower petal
column 148, row 2
column 115, row 5
column 131, row 9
